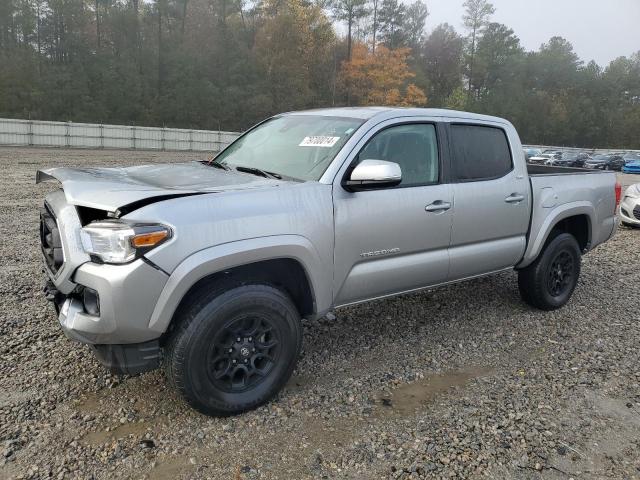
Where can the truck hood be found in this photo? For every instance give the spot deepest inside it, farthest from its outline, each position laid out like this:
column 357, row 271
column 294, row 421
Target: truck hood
column 127, row 188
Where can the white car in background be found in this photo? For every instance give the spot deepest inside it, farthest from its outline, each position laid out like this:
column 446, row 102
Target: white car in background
column 630, row 206
column 546, row 157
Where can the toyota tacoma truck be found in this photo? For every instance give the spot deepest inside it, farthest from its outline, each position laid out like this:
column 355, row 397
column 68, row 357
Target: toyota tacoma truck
column 206, row 268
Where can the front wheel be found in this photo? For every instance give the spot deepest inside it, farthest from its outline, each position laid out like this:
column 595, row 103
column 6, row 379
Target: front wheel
column 549, row 282
column 234, row 350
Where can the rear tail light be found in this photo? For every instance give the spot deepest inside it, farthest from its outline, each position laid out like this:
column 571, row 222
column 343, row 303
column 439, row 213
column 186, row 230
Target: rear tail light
column 618, row 195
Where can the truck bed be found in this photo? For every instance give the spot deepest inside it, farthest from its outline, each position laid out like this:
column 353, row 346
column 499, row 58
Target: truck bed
column 560, row 191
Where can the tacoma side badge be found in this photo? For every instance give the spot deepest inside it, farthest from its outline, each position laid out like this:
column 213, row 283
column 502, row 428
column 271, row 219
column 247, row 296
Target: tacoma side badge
column 378, row 253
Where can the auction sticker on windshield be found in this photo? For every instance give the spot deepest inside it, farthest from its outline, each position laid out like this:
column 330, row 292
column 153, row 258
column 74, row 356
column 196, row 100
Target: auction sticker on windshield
column 319, row 141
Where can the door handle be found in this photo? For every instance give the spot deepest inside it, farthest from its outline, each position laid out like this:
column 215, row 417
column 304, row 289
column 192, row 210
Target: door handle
column 438, row 206
column 514, row 198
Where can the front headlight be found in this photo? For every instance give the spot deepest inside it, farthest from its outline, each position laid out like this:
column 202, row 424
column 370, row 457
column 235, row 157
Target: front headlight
column 119, row 242
column 633, row 191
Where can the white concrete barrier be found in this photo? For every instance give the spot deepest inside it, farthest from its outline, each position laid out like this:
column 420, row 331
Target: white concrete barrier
column 88, row 135
column 593, row 151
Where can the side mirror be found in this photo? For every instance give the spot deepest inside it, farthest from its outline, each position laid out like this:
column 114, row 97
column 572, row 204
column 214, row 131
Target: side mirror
column 371, row 174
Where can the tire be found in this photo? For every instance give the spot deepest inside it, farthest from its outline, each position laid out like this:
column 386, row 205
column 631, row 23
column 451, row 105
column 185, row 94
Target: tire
column 549, row 282
column 233, row 350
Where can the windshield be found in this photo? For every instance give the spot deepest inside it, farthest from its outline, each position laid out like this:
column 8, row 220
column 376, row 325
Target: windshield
column 601, row 157
column 298, row 146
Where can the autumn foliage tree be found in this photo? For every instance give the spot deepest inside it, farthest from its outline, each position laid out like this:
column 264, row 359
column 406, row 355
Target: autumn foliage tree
column 227, row 64
column 380, row 78
column 292, row 47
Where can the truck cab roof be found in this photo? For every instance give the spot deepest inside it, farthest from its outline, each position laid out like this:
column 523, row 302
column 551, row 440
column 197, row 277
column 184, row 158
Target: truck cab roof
column 383, row 113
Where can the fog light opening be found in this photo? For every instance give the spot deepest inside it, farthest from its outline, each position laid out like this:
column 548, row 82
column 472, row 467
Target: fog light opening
column 91, row 301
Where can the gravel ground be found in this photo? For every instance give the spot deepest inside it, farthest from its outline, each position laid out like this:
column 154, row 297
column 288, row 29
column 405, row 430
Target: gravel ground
column 459, row 382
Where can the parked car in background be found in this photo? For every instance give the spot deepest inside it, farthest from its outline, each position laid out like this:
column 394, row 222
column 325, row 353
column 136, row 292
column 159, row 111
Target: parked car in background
column 632, row 166
column 545, row 157
column 631, row 157
column 569, row 159
column 605, row 161
column 531, row 152
column 630, row 206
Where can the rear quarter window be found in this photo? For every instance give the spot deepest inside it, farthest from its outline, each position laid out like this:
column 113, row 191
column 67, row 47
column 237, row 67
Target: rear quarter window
column 479, row 153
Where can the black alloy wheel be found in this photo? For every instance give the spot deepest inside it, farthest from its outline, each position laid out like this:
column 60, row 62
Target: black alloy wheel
column 243, row 353
column 560, row 274
column 550, row 280
column 233, row 347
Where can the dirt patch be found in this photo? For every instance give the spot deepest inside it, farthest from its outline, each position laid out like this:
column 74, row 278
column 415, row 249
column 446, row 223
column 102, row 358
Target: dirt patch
column 614, row 441
column 171, row 468
column 135, row 429
column 408, row 398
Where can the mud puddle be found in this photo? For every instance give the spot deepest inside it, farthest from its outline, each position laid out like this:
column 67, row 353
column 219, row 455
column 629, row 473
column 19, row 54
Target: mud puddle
column 137, row 429
column 410, row 397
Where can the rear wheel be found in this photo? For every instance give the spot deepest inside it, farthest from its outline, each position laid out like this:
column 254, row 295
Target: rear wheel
column 234, row 350
column 549, row 282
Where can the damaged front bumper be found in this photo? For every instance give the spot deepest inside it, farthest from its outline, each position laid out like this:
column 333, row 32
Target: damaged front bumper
column 121, row 345
column 105, row 306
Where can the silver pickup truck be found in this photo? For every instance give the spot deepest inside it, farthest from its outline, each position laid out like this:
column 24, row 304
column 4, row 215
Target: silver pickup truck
column 208, row 267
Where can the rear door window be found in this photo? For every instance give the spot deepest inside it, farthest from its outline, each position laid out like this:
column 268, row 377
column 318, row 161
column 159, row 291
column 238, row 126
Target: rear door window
column 479, row 153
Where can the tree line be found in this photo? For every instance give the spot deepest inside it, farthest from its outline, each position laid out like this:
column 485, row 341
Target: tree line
column 226, row 64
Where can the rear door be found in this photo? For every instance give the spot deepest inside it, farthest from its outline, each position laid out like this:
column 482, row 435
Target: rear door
column 491, row 200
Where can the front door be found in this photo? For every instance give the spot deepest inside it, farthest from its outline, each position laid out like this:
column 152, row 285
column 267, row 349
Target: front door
column 394, row 239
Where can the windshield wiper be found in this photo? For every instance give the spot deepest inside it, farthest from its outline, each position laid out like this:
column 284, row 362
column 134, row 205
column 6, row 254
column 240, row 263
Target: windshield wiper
column 215, row 163
column 257, row 171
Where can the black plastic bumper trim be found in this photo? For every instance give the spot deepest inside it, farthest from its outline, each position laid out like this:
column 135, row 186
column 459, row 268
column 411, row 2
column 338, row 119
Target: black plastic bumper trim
column 129, row 359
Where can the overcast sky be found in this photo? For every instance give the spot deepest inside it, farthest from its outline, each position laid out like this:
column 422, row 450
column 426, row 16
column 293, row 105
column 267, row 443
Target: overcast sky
column 599, row 30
